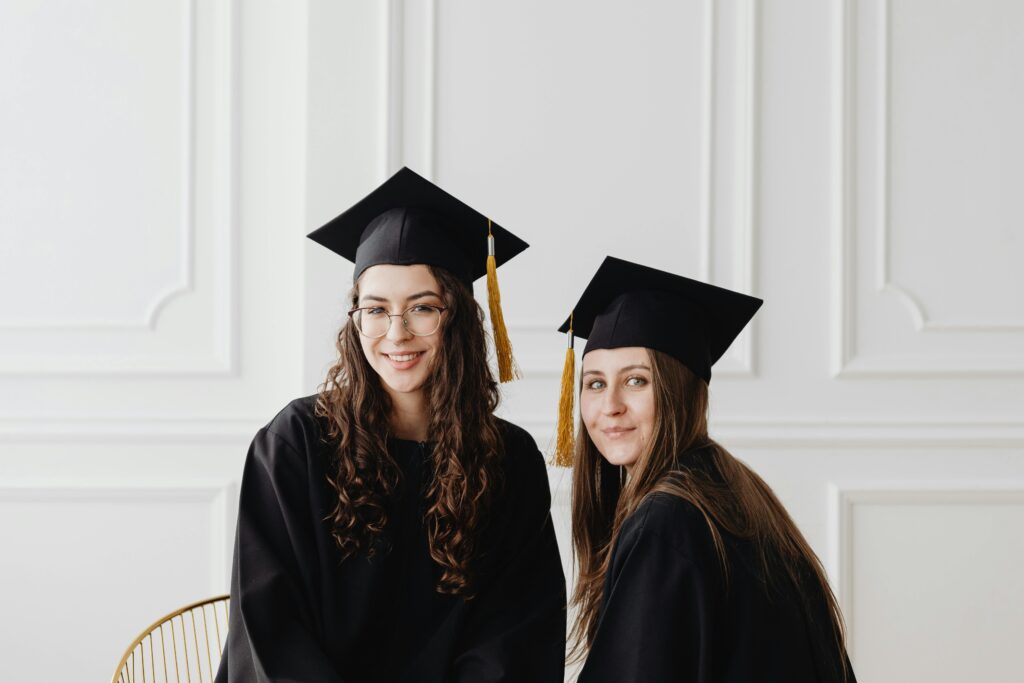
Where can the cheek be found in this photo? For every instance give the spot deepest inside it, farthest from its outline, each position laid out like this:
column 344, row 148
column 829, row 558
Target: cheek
column 434, row 345
column 588, row 409
column 432, row 352
column 368, row 346
column 644, row 411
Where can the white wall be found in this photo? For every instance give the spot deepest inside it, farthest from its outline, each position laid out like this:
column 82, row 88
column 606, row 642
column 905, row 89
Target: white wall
column 852, row 162
column 151, row 306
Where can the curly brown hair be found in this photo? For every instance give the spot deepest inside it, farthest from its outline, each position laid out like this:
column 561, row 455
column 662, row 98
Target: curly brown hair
column 462, row 395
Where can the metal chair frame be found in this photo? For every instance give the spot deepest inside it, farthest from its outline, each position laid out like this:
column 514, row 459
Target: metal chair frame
column 129, row 670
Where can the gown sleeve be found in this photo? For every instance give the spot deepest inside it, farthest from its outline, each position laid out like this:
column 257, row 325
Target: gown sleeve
column 272, row 627
column 656, row 621
column 515, row 627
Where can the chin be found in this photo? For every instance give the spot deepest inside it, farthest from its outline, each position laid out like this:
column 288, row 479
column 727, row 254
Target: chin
column 619, row 456
column 404, row 382
column 404, row 385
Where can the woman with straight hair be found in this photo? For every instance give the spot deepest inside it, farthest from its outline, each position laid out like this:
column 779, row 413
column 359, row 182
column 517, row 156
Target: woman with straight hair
column 390, row 527
column 689, row 567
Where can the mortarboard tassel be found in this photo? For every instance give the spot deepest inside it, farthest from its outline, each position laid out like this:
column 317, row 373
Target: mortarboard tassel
column 507, row 369
column 565, row 444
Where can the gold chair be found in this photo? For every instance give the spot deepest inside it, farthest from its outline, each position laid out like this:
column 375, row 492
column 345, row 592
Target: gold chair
column 194, row 630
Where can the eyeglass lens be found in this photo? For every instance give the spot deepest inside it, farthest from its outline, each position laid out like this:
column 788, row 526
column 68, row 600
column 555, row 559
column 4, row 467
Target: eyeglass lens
column 419, row 320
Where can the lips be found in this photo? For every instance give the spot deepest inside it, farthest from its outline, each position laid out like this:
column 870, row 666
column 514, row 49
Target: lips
column 402, row 357
column 403, row 361
column 617, row 432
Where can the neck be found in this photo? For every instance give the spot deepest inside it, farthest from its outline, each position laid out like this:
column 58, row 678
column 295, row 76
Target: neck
column 409, row 415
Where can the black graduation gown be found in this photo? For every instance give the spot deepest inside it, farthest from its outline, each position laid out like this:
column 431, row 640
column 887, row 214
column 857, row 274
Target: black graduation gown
column 666, row 615
column 297, row 614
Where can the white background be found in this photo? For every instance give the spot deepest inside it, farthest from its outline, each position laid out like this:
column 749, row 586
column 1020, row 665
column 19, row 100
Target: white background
column 856, row 163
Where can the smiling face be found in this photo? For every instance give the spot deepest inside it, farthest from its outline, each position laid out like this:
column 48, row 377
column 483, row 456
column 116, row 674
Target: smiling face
column 617, row 402
column 402, row 360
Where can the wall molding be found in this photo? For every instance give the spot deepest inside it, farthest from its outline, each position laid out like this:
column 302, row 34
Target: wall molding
column 747, row 432
column 410, row 87
column 222, row 223
column 409, row 104
column 845, row 360
column 221, row 498
column 914, row 305
column 825, row 435
column 149, row 430
column 739, row 361
column 843, row 497
column 186, row 227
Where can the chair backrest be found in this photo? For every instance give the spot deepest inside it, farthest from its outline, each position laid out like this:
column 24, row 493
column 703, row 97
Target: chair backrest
column 183, row 646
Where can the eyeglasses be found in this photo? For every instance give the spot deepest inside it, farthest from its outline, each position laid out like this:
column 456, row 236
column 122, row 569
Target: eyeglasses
column 421, row 320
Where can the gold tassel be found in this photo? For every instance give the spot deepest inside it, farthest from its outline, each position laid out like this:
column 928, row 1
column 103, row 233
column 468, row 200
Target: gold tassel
column 566, row 418
column 507, row 368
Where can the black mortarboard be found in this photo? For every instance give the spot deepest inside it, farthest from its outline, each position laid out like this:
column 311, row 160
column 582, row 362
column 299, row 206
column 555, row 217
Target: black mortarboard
column 410, row 220
column 627, row 304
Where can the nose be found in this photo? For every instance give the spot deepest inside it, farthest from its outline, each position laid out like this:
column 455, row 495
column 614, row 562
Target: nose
column 613, row 404
column 397, row 331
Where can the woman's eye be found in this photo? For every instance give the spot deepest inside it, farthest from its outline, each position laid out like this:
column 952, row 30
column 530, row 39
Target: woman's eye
column 636, row 382
column 422, row 308
column 595, row 384
column 375, row 311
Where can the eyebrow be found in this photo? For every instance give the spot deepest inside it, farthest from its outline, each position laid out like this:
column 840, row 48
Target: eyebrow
column 628, row 367
column 412, row 297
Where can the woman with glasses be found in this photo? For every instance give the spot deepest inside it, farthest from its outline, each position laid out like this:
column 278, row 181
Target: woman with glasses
column 390, row 527
column 689, row 567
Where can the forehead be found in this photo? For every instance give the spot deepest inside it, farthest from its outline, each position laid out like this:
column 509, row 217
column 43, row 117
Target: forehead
column 395, row 283
column 610, row 360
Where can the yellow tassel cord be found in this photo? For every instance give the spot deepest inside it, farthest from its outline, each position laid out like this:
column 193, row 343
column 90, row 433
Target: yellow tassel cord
column 507, row 368
column 566, row 418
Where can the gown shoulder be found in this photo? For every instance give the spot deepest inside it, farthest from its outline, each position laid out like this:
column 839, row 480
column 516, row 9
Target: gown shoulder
column 517, row 439
column 297, row 418
column 296, row 427
column 672, row 611
column 671, row 521
column 524, row 465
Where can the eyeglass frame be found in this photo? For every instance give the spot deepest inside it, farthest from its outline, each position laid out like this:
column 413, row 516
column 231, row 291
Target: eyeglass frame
column 405, row 323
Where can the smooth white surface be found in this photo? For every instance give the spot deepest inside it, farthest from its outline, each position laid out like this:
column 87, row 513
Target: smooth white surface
column 97, row 412
column 935, row 588
column 101, row 563
column 98, row 128
column 853, row 162
column 926, row 250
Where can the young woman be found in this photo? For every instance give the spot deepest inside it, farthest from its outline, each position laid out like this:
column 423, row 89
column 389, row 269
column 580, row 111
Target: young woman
column 689, row 567
column 391, row 528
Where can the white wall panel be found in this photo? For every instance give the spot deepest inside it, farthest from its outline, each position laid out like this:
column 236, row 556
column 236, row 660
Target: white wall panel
column 929, row 248
column 103, row 536
column 208, row 363
column 151, row 317
column 597, row 102
column 121, row 144
column 930, row 583
column 111, row 559
column 352, row 129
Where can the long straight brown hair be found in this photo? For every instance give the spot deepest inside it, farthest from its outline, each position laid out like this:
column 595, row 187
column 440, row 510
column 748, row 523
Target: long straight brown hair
column 734, row 500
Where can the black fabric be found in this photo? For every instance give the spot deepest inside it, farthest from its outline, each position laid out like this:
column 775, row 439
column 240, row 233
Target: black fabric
column 628, row 304
column 666, row 614
column 298, row 613
column 408, row 219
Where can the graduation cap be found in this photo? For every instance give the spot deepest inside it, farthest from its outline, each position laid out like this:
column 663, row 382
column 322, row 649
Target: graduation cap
column 628, row 304
column 410, row 220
